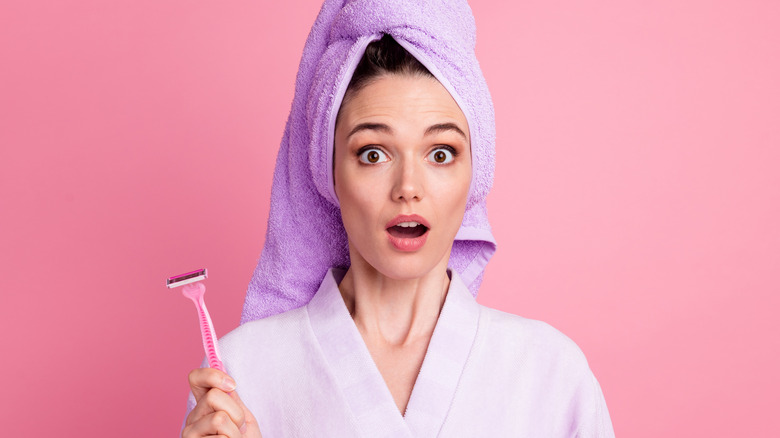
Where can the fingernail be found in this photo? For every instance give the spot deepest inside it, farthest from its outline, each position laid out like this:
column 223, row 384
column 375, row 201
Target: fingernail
column 242, row 429
column 228, row 384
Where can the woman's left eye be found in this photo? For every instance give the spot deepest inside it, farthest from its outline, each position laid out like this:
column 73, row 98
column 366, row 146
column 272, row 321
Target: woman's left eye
column 441, row 155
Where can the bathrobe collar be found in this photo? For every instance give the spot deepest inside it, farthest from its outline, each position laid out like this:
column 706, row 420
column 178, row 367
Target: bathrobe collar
column 360, row 380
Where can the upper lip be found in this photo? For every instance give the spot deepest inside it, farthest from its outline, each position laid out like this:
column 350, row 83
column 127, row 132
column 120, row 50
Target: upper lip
column 408, row 218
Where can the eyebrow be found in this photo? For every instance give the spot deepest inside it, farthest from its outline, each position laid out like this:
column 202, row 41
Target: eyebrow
column 381, row 127
column 370, row 127
column 444, row 127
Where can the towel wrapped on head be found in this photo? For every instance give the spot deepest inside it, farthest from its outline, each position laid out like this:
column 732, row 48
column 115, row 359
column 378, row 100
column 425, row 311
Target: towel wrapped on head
column 305, row 235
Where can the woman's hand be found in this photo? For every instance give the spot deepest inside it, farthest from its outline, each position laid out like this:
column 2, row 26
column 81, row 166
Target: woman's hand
column 219, row 410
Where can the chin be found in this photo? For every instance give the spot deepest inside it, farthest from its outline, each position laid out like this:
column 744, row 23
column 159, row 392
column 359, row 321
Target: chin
column 399, row 266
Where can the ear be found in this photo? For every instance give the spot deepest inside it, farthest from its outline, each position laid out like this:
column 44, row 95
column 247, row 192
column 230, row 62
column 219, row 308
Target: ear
column 333, row 172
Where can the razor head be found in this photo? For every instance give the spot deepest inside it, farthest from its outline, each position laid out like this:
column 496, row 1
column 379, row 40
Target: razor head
column 189, row 277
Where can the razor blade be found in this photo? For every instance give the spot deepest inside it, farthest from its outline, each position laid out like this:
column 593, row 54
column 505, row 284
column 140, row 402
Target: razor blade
column 189, row 277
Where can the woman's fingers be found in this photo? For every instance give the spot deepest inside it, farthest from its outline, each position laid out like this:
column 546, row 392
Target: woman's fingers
column 203, row 379
column 216, row 400
column 216, row 423
column 219, row 409
column 251, row 428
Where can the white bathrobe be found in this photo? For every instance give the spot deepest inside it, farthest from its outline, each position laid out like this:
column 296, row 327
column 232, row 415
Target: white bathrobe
column 307, row 372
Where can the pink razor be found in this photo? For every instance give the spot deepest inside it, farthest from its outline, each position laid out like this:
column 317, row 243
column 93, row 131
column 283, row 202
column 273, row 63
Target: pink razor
column 194, row 290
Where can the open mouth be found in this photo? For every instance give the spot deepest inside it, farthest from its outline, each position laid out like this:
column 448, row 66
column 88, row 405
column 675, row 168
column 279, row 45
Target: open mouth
column 407, row 230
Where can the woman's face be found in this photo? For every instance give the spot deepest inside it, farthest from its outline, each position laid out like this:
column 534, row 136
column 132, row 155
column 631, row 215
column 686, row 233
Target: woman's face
column 402, row 170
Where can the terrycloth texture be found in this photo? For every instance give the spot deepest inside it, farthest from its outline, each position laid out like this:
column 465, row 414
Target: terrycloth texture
column 308, row 373
column 305, row 234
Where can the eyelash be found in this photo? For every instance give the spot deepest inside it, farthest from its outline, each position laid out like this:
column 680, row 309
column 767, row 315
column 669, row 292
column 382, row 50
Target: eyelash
column 448, row 148
column 367, row 148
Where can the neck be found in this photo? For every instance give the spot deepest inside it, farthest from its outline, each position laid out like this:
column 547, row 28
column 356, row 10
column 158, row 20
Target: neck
column 396, row 312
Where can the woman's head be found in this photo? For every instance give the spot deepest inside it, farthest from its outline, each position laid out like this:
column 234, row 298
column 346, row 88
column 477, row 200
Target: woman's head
column 305, row 234
column 402, row 164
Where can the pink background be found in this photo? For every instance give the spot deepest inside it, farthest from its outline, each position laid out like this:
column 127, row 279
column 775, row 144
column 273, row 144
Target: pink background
column 636, row 201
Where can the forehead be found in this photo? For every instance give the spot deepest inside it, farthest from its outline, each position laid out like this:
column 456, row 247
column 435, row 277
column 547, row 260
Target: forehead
column 418, row 100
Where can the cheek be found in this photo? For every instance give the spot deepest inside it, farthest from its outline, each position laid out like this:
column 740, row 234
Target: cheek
column 358, row 201
column 454, row 189
column 452, row 194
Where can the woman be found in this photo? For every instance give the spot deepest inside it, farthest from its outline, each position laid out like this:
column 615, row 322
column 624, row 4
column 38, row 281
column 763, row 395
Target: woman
column 380, row 188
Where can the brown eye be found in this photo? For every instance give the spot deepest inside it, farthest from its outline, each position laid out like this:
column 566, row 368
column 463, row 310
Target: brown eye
column 372, row 156
column 442, row 155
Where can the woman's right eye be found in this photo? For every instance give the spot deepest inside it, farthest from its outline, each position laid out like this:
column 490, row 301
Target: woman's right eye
column 372, row 156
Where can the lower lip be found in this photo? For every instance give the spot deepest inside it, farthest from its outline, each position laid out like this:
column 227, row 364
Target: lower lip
column 408, row 244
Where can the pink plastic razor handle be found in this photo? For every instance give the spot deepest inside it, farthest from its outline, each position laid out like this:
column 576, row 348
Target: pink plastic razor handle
column 195, row 291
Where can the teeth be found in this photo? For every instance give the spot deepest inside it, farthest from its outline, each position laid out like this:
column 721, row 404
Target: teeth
column 408, row 224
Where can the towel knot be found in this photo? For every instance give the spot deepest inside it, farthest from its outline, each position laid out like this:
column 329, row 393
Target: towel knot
column 452, row 24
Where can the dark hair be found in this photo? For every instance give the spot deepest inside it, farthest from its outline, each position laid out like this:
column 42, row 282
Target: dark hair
column 382, row 57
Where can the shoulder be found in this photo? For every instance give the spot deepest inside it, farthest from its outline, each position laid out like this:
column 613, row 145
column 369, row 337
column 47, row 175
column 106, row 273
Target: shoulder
column 539, row 373
column 271, row 331
column 531, row 340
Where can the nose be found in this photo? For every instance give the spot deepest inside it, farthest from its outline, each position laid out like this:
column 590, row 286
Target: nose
column 409, row 181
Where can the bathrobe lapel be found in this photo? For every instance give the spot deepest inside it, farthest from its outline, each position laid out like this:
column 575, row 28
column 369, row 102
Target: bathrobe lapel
column 362, row 384
column 444, row 362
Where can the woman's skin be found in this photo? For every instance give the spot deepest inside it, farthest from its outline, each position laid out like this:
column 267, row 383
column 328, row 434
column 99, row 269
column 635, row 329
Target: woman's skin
column 401, row 148
column 395, row 296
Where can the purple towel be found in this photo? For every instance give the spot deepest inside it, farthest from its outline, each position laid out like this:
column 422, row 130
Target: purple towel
column 305, row 234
